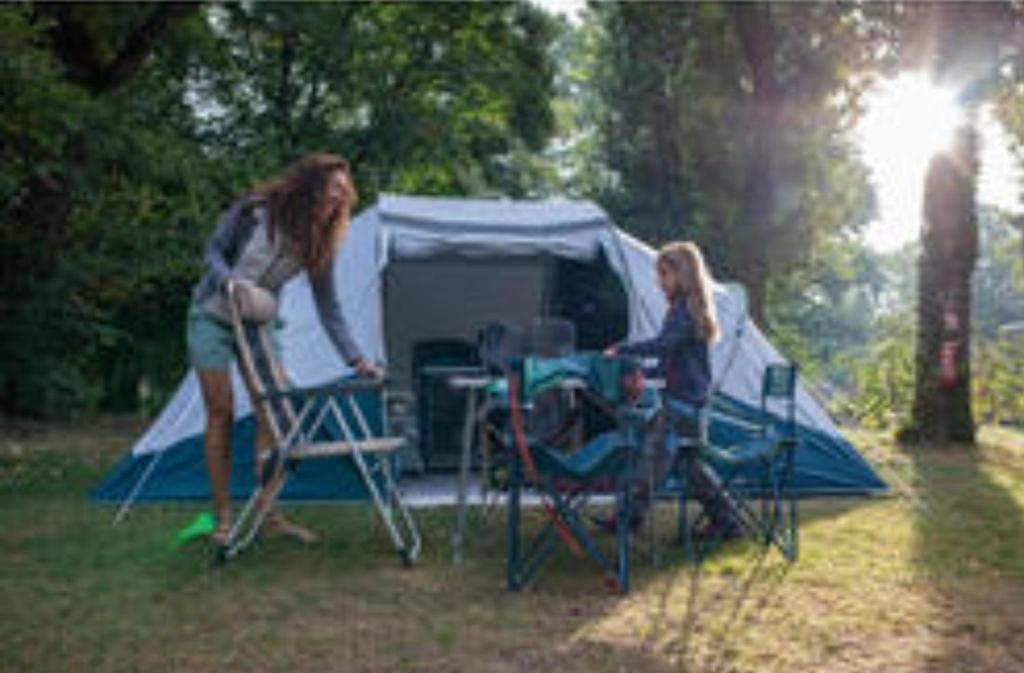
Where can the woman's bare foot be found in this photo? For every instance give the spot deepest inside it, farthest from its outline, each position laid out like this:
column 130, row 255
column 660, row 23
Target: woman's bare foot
column 277, row 525
column 223, row 529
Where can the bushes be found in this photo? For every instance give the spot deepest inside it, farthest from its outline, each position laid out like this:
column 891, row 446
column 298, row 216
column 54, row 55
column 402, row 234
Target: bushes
column 998, row 382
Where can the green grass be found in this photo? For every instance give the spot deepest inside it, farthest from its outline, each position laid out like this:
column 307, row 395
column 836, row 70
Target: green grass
column 929, row 579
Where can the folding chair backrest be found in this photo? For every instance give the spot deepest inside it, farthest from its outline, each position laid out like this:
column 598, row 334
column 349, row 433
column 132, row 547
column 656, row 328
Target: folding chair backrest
column 605, row 377
column 260, row 370
column 498, row 345
column 551, row 337
column 779, row 384
column 539, row 375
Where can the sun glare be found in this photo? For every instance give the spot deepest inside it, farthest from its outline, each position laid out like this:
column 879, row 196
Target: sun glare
column 907, row 121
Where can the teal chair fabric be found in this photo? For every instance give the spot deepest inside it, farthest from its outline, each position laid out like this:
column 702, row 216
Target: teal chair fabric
column 565, row 482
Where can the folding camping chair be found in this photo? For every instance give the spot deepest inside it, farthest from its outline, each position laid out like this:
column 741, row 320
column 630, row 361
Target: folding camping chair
column 565, row 482
column 551, row 337
column 309, row 422
column 759, row 467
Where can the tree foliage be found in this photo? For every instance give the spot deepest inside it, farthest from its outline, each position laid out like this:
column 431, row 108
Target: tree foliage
column 865, row 363
column 428, row 98
column 727, row 124
column 126, row 129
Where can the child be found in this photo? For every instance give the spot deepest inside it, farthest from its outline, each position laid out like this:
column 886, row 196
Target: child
column 682, row 349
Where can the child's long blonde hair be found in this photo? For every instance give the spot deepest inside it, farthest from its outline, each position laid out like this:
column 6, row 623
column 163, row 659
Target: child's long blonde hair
column 692, row 284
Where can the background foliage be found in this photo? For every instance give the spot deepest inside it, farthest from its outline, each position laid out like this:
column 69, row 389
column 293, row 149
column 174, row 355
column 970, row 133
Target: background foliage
column 126, row 129
column 109, row 192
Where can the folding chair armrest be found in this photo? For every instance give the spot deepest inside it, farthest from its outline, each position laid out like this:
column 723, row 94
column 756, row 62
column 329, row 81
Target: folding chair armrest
column 679, row 410
column 688, row 444
column 327, row 389
column 748, row 451
column 640, row 415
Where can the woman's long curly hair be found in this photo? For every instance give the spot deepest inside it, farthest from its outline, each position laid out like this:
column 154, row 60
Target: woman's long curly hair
column 692, row 284
column 298, row 207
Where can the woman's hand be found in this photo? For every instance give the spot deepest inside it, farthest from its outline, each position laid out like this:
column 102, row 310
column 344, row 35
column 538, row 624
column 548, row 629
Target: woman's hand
column 610, row 351
column 368, row 370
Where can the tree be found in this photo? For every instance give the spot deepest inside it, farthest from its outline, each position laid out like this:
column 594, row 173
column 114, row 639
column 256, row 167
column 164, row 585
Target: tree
column 755, row 33
column 427, row 98
column 101, row 50
column 959, row 43
column 724, row 125
column 64, row 71
column 127, row 128
column 829, row 308
column 1009, row 110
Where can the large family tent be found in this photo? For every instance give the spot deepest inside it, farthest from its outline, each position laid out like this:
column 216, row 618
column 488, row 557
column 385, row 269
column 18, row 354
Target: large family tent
column 418, row 270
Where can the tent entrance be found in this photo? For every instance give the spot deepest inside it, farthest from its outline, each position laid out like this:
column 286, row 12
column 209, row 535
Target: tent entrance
column 590, row 295
column 433, row 308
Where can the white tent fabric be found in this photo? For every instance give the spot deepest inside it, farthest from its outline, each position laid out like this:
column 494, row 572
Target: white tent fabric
column 406, row 227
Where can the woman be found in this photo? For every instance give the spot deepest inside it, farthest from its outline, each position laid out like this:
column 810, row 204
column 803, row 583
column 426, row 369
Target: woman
column 285, row 226
column 682, row 348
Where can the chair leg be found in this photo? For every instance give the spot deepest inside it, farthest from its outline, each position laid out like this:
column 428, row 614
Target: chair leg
column 624, row 519
column 685, row 529
column 515, row 477
column 254, row 512
column 792, row 551
column 565, row 521
column 780, row 525
column 392, row 511
column 411, row 552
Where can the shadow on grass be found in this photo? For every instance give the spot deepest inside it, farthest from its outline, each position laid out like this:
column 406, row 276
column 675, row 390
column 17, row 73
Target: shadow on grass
column 970, row 532
column 714, row 617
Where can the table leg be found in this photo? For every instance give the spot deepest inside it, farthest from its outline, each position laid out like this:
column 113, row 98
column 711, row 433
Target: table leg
column 468, row 428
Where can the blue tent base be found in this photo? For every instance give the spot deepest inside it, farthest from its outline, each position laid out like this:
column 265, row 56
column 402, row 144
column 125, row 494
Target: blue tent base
column 181, row 474
column 826, row 465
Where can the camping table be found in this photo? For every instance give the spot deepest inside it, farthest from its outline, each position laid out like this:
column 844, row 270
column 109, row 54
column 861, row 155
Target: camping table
column 474, row 385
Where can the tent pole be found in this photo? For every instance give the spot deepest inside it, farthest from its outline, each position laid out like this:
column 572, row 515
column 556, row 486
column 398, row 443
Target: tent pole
column 122, row 511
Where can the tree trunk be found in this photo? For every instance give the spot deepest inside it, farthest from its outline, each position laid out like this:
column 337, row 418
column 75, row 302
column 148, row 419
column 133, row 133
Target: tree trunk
column 942, row 396
column 84, row 54
column 960, row 45
column 752, row 24
column 666, row 169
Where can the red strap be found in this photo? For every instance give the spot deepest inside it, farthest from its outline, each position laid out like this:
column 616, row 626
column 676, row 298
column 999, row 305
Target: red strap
column 524, row 454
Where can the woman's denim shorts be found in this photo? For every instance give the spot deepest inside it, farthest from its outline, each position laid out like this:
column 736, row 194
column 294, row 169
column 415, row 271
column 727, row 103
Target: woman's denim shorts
column 211, row 343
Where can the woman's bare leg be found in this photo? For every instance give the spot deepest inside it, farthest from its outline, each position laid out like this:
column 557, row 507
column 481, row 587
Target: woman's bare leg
column 275, row 523
column 215, row 385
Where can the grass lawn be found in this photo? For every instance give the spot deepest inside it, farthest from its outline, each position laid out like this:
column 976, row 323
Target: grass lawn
column 930, row 579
